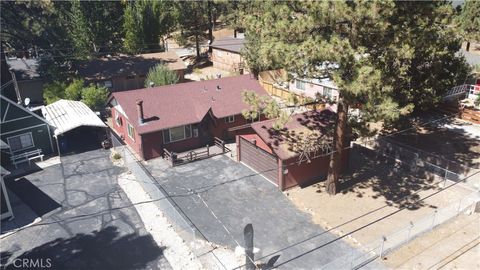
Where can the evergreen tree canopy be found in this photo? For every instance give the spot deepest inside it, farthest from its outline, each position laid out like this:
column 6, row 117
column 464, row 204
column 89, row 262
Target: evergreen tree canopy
column 161, row 75
column 390, row 57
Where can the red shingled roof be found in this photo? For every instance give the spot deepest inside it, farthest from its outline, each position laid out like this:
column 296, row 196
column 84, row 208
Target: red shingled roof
column 282, row 141
column 186, row 103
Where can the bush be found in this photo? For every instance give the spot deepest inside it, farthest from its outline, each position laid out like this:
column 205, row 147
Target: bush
column 116, row 156
column 95, row 97
column 161, row 75
column 54, row 91
column 74, row 90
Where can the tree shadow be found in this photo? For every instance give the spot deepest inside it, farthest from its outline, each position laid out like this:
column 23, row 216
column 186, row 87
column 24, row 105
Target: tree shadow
column 303, row 133
column 386, row 178
column 103, row 249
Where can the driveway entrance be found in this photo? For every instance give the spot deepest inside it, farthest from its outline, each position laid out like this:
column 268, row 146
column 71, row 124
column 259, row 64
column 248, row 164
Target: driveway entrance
column 219, row 193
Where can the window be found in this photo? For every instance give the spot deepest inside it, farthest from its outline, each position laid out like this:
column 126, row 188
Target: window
column 178, row 133
column 20, row 142
column 327, row 92
column 118, row 119
column 300, row 84
column 230, row 119
column 131, row 131
column 107, row 84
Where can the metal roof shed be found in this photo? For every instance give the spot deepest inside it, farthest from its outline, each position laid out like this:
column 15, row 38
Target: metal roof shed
column 67, row 115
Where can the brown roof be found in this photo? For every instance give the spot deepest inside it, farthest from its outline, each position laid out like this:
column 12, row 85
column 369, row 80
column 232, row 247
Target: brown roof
column 124, row 65
column 287, row 142
column 186, row 103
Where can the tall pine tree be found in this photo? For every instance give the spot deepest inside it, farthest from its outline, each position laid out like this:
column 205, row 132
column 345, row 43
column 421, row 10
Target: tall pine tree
column 366, row 47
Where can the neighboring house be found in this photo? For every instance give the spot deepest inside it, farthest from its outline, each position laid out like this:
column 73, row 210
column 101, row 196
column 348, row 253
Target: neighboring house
column 123, row 72
column 183, row 116
column 278, row 79
column 30, row 83
column 24, row 130
column 311, row 87
column 277, row 154
column 226, row 54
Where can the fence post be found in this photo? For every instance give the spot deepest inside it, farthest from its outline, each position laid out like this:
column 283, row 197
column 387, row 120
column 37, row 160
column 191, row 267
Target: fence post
column 433, row 219
column 223, row 147
column 208, row 150
column 409, row 231
column 459, row 206
column 383, row 245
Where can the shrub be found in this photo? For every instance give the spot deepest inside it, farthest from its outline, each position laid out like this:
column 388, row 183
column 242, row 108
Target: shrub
column 95, row 97
column 54, row 91
column 161, row 75
column 74, row 90
column 116, row 156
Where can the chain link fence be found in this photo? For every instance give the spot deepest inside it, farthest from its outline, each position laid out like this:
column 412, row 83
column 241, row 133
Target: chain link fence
column 410, row 231
column 180, row 222
column 415, row 160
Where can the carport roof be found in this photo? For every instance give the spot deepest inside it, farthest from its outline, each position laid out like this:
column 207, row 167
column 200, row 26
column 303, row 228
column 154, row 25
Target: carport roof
column 287, row 142
column 65, row 115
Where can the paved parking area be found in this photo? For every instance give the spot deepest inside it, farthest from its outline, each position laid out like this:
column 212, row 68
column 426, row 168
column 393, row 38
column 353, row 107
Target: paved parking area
column 226, row 194
column 94, row 225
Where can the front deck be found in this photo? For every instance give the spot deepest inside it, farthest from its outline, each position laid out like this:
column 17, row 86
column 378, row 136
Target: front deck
column 175, row 159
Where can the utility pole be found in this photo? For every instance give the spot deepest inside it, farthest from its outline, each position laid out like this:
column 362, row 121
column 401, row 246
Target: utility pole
column 248, row 237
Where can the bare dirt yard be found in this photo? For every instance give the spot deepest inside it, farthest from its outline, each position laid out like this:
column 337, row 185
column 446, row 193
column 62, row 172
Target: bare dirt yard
column 377, row 196
column 454, row 245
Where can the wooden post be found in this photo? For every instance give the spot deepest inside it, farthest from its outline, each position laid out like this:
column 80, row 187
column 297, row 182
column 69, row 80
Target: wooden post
column 208, row 150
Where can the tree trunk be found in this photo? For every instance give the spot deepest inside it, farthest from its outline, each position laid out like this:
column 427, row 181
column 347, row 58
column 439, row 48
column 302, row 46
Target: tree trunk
column 210, row 24
column 468, row 46
column 197, row 44
column 336, row 158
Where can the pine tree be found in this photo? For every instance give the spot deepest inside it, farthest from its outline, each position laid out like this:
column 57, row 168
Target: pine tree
column 469, row 21
column 133, row 28
column 364, row 47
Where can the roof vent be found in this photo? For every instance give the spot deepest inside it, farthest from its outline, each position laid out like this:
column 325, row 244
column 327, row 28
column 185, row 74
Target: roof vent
column 219, row 88
column 204, row 89
column 213, row 99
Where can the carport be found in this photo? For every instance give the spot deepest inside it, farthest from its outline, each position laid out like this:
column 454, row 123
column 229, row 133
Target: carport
column 77, row 127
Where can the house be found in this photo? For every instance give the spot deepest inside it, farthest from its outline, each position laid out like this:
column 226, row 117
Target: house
column 280, row 156
column 183, row 116
column 29, row 81
column 226, row 54
column 23, row 130
column 279, row 79
column 313, row 87
column 123, row 72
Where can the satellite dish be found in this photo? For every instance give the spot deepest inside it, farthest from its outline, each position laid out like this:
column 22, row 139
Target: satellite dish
column 27, row 101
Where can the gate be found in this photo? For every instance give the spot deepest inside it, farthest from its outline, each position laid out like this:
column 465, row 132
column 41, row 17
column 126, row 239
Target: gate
column 259, row 160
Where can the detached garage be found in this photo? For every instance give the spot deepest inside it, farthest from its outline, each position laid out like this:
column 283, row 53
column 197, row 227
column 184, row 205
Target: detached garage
column 76, row 127
column 278, row 154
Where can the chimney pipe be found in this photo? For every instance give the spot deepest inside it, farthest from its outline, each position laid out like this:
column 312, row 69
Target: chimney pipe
column 140, row 111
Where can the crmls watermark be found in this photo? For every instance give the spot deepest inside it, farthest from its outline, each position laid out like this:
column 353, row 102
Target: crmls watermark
column 25, row 263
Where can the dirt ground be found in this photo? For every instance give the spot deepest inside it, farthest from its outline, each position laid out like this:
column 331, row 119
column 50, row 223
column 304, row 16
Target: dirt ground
column 474, row 47
column 377, row 196
column 454, row 245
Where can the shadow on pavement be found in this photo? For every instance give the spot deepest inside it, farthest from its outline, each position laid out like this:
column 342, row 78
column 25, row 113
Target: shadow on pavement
column 32, row 196
column 97, row 250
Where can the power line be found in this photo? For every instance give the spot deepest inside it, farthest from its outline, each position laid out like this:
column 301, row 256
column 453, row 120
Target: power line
column 359, row 228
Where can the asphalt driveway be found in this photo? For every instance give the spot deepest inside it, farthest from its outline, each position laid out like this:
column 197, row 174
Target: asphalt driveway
column 87, row 221
column 237, row 196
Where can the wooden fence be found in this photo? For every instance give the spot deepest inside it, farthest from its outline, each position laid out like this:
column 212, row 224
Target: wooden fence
column 284, row 94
